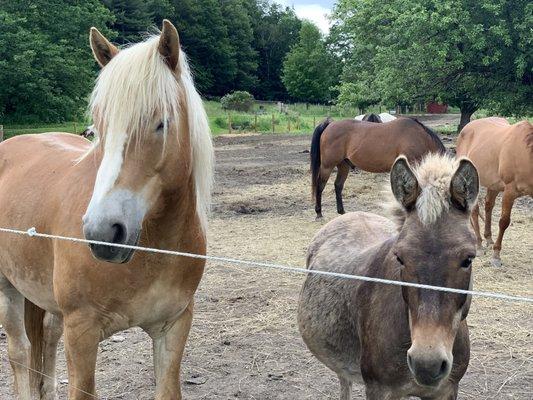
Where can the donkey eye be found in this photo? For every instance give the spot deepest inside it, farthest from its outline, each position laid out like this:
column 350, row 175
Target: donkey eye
column 160, row 126
column 399, row 260
column 467, row 262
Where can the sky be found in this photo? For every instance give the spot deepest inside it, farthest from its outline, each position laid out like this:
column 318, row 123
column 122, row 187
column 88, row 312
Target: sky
column 313, row 10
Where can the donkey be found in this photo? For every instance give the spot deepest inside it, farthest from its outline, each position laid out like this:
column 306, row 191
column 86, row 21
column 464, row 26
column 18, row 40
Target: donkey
column 397, row 341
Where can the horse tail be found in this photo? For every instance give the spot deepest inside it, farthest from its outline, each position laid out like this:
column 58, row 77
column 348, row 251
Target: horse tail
column 315, row 153
column 34, row 319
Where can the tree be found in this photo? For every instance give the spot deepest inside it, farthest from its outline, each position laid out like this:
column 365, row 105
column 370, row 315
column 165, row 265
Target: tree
column 467, row 54
column 204, row 37
column 132, row 19
column 47, row 67
column 308, row 67
column 276, row 30
column 239, row 26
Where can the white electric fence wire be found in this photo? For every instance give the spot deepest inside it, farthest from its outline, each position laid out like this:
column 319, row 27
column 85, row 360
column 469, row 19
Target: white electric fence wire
column 32, row 232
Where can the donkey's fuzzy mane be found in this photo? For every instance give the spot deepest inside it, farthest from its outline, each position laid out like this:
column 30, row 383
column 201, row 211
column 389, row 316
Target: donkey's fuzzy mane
column 137, row 85
column 434, row 174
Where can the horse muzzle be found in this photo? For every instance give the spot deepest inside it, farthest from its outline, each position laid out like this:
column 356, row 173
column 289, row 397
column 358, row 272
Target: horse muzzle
column 115, row 219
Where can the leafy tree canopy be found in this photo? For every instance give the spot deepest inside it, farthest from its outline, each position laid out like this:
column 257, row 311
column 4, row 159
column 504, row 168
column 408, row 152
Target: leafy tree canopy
column 308, row 67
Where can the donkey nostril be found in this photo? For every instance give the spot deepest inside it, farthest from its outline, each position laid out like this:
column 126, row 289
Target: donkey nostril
column 119, row 234
column 443, row 368
column 409, row 362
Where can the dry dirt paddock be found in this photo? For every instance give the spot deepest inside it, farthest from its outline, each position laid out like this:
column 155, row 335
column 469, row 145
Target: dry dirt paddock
column 244, row 342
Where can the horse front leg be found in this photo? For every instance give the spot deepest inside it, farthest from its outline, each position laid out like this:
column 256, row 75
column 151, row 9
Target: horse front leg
column 168, row 345
column 490, row 200
column 82, row 335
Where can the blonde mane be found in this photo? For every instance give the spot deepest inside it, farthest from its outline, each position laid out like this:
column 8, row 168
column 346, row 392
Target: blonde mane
column 137, row 85
column 434, row 174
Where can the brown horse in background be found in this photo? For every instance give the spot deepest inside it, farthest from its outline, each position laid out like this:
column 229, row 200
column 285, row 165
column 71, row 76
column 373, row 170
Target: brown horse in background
column 503, row 155
column 369, row 146
column 397, row 341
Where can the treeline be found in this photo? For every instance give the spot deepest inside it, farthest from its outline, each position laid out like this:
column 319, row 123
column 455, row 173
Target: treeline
column 468, row 54
column 47, row 71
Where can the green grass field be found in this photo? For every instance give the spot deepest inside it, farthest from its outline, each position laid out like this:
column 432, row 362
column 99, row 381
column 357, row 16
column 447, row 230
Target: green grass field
column 265, row 118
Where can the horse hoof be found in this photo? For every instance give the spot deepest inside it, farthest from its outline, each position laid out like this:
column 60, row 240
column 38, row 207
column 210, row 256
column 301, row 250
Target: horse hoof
column 319, row 218
column 489, row 243
column 496, row 262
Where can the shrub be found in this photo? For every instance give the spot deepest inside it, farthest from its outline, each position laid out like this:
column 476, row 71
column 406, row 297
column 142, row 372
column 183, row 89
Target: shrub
column 239, row 101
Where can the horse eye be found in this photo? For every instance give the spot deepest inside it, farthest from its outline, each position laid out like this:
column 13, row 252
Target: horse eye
column 160, row 126
column 467, row 262
column 399, row 260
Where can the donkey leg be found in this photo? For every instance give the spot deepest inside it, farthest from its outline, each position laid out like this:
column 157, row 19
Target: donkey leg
column 475, row 224
column 321, row 184
column 168, row 347
column 490, row 200
column 53, row 329
column 509, row 196
column 346, row 388
column 12, row 318
column 342, row 174
column 82, row 335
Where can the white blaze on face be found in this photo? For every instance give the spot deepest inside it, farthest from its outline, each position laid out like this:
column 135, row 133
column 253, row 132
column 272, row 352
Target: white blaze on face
column 109, row 168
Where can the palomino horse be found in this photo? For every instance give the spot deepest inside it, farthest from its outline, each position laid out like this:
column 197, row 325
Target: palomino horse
column 371, row 147
column 147, row 180
column 503, row 155
column 399, row 341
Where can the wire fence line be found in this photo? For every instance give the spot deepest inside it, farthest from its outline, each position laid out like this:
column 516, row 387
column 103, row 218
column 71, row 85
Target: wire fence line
column 32, row 232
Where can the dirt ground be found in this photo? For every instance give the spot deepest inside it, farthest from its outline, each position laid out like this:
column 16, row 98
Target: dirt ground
column 245, row 344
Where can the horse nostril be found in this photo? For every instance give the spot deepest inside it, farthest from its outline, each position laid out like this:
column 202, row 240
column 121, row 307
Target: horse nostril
column 119, row 235
column 443, row 368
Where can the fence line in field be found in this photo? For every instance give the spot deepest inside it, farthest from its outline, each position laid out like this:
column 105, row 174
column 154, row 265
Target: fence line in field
column 32, row 232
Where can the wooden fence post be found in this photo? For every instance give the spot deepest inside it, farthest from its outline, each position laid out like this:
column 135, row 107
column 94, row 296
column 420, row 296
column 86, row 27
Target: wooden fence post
column 289, row 125
column 1, row 132
column 255, row 123
column 229, row 123
column 273, row 123
column 314, row 122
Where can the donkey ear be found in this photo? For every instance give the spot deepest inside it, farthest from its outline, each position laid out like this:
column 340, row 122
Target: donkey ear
column 464, row 186
column 404, row 183
column 103, row 50
column 169, row 44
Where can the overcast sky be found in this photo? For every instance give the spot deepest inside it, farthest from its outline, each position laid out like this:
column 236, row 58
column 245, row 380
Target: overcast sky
column 313, row 10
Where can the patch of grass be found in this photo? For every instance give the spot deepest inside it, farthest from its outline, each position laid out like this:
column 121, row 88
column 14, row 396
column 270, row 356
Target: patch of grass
column 70, row 127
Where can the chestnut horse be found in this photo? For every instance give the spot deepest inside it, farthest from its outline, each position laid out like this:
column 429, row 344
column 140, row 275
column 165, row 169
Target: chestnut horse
column 147, row 180
column 503, row 154
column 371, row 147
column 397, row 341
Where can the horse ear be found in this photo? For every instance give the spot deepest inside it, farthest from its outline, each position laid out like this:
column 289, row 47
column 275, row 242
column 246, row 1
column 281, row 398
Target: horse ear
column 464, row 186
column 169, row 44
column 103, row 51
column 404, row 183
